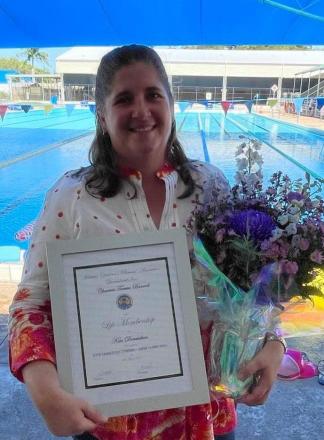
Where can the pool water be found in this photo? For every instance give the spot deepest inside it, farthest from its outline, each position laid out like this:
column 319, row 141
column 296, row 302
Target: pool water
column 24, row 183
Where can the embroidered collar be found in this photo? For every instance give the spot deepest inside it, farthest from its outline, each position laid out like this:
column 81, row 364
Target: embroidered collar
column 131, row 173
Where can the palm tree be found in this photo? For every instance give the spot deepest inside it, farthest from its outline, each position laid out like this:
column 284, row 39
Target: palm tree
column 33, row 54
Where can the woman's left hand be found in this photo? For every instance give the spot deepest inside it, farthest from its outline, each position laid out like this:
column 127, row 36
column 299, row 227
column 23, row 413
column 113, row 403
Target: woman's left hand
column 265, row 364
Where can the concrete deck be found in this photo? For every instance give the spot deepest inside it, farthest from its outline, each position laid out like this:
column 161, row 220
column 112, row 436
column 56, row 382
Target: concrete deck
column 294, row 410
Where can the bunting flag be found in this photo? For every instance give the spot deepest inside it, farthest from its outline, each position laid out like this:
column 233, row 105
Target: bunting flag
column 14, row 107
column 26, row 107
column 92, row 108
column 298, row 103
column 225, row 105
column 69, row 108
column 272, row 102
column 3, row 109
column 26, row 232
column 249, row 104
column 320, row 103
column 54, row 99
column 183, row 105
column 48, row 108
column 203, row 102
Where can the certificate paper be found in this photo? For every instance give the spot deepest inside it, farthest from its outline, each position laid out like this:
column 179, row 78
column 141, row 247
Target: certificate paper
column 125, row 322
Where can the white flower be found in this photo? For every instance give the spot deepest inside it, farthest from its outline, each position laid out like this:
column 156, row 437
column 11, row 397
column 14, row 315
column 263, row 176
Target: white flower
column 298, row 203
column 242, row 163
column 294, row 210
column 294, row 218
column 315, row 203
column 276, row 233
column 283, row 219
column 291, row 229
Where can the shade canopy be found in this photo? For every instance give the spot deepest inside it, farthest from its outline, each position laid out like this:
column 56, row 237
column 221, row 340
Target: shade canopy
column 44, row 23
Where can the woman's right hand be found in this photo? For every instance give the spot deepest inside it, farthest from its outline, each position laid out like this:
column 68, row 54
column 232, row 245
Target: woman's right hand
column 64, row 414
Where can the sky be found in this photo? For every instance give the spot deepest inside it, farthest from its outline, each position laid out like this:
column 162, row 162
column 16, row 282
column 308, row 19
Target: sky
column 52, row 52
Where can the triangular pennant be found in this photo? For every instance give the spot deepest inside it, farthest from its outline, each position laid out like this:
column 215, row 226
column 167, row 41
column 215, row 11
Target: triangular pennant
column 272, row 102
column 26, row 107
column 3, row 109
column 249, row 104
column 183, row 105
column 320, row 103
column 225, row 105
column 54, row 99
column 298, row 103
column 69, row 108
column 92, row 108
column 48, row 108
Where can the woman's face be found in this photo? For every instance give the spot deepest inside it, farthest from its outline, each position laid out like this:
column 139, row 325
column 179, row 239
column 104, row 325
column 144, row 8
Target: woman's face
column 138, row 116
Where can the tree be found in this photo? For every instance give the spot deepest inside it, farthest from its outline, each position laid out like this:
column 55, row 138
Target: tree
column 33, row 54
column 19, row 66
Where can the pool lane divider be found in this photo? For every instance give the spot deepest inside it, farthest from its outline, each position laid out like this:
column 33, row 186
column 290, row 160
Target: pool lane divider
column 182, row 122
column 217, row 122
column 203, row 139
column 286, row 156
column 40, row 151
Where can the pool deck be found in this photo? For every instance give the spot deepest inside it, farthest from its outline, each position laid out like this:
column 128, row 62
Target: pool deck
column 293, row 411
column 303, row 121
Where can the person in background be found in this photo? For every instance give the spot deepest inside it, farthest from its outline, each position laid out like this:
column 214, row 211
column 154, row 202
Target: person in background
column 139, row 179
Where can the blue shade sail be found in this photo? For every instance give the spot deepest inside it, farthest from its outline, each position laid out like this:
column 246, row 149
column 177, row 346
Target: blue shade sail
column 162, row 22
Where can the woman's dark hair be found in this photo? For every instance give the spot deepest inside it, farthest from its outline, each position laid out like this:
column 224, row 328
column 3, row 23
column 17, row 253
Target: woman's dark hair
column 102, row 177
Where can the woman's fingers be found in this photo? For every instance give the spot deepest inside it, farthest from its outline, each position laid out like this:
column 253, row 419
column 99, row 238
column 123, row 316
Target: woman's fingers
column 265, row 365
column 92, row 414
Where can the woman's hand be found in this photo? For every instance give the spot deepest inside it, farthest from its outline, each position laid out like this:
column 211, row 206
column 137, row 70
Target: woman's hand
column 265, row 364
column 64, row 414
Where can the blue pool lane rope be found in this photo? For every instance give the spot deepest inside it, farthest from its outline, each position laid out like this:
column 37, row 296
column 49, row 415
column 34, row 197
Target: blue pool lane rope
column 203, row 140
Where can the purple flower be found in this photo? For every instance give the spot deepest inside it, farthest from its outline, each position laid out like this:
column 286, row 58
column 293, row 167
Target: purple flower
column 255, row 224
column 294, row 195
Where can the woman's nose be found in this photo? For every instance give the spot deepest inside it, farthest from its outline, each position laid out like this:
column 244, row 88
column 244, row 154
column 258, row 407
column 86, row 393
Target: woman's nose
column 140, row 108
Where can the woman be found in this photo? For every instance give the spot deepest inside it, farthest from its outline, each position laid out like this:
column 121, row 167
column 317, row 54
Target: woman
column 139, row 179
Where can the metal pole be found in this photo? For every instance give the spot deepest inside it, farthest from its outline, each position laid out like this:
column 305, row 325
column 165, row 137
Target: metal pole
column 318, row 82
column 62, row 88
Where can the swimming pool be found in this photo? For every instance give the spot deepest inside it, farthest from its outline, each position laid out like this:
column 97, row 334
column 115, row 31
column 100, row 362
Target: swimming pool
column 38, row 144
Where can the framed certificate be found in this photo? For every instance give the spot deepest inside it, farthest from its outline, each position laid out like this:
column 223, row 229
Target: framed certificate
column 125, row 322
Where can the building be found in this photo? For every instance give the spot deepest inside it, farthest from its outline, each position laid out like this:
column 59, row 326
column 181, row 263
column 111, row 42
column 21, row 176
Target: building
column 208, row 74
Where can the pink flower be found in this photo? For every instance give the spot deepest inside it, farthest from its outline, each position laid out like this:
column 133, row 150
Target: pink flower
column 284, row 249
column 273, row 251
column 317, row 256
column 304, row 244
column 220, row 235
column 289, row 267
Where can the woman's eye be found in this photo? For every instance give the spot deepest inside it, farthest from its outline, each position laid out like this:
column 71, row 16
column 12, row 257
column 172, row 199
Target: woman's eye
column 123, row 100
column 155, row 95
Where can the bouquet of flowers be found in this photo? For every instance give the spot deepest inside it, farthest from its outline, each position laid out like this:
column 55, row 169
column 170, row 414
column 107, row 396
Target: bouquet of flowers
column 255, row 249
